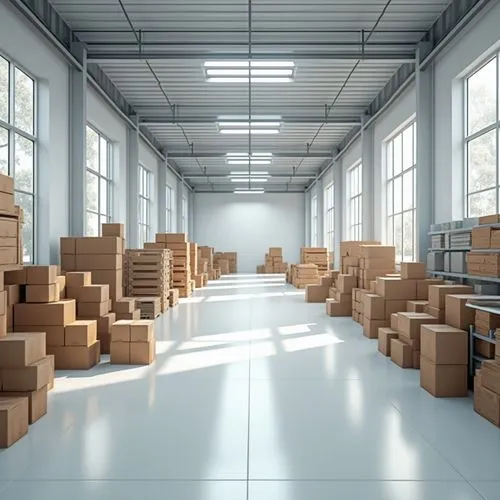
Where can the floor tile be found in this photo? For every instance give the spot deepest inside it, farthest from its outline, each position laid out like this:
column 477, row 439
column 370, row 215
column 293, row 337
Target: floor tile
column 125, row 490
column 490, row 490
column 349, row 490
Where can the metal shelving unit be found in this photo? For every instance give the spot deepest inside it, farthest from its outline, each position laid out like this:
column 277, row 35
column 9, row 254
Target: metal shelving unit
column 457, row 249
column 445, row 274
column 449, row 231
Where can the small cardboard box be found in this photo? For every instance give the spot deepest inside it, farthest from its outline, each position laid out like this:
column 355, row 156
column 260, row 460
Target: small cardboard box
column 486, row 402
column 18, row 350
column 43, row 293
column 481, row 237
column 121, row 331
column 457, row 313
column 81, row 333
column 394, row 322
column 76, row 357
column 87, row 262
column 119, row 353
column 374, row 307
column 133, row 316
column 142, row 330
column 394, row 306
column 37, row 402
column 413, row 271
column 55, row 313
column 444, row 345
column 29, row 378
column 401, row 354
column 396, row 288
column 68, row 262
column 417, row 306
column 484, row 348
column 92, row 309
column 443, row 381
column 54, row 334
column 438, row 293
column 89, row 293
column 385, row 335
column 171, row 238
column 104, row 245
column 409, row 323
column 112, row 229
column 337, row 309
column 346, row 283
column 14, row 420
column 41, row 275
column 76, row 279
column 124, row 305
column 142, row 353
column 316, row 294
column 489, row 219
column 104, row 323
column 490, row 372
column 371, row 327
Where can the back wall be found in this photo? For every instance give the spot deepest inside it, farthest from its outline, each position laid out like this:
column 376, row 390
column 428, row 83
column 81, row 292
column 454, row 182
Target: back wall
column 250, row 224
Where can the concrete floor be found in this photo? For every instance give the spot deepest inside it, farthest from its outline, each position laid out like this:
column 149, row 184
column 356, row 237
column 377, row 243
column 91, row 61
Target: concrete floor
column 254, row 395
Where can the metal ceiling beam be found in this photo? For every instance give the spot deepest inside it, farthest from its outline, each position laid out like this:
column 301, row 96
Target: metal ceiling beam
column 306, row 177
column 222, row 154
column 339, row 120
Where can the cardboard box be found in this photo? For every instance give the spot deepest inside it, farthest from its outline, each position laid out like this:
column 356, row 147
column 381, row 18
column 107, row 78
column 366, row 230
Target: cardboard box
column 37, row 402
column 113, row 278
column 21, row 349
column 3, row 303
column 346, row 283
column 68, row 246
column 394, row 322
column 68, row 262
column 481, row 237
column 89, row 293
column 142, row 353
column 13, row 294
column 336, row 309
column 42, row 293
column 409, row 323
column 486, row 402
column 81, row 333
column 413, row 271
column 104, row 323
column 374, row 307
column 92, row 309
column 172, row 238
column 371, row 327
column 29, row 378
column 77, row 279
column 438, row 293
column 443, row 381
column 385, row 252
column 444, row 345
column 105, row 341
column 86, row 262
column 490, row 372
column 385, row 335
column 489, row 219
column 61, row 283
column 112, row 229
column 120, row 353
column 401, row 354
column 439, row 314
column 55, row 313
column 488, row 321
column 394, row 306
column 457, row 314
column 133, row 316
column 14, row 420
column 316, row 294
column 142, row 331
column 121, row 331
column 484, row 348
column 104, row 245
column 423, row 287
column 396, row 288
column 416, row 306
column 41, row 275
column 76, row 357
column 54, row 334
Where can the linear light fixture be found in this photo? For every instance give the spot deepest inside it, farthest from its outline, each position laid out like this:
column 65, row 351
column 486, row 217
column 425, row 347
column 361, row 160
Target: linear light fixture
column 241, row 71
column 245, row 172
column 245, row 159
column 260, row 124
column 249, row 191
column 258, row 180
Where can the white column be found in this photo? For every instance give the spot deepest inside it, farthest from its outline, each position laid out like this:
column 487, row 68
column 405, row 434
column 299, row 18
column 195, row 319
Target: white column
column 339, row 209
column 161, row 195
column 368, row 167
column 133, row 186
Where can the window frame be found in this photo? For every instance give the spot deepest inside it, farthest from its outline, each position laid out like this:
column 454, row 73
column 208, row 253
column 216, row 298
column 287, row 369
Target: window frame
column 390, row 181
column 108, row 214
column 184, row 208
column 12, row 132
column 145, row 224
column 355, row 225
column 314, row 221
column 169, row 208
column 329, row 203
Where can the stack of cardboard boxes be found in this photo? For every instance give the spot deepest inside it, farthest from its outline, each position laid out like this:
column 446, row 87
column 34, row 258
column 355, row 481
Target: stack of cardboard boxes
column 305, row 274
column 321, row 292
column 133, row 342
column 340, row 299
column 350, row 255
column 232, row 257
column 196, row 267
column 273, row 262
column 221, row 262
column 487, row 388
column 207, row 255
column 318, row 256
column 126, row 309
column 375, row 261
column 437, row 298
column 480, row 262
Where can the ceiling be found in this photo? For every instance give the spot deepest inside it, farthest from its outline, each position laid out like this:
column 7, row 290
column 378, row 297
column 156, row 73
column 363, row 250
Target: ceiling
column 345, row 52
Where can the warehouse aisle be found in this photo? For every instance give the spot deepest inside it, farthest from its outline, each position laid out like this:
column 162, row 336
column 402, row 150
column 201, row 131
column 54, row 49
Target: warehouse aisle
column 254, row 395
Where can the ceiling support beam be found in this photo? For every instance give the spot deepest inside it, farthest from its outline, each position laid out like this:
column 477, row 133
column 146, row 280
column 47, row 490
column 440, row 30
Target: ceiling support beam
column 222, row 154
column 169, row 120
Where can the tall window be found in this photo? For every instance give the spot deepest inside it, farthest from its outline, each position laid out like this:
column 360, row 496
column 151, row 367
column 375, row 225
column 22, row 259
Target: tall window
column 481, row 140
column 355, row 183
column 184, row 214
column 145, row 202
column 314, row 221
column 401, row 169
column 18, row 141
column 330, row 217
column 169, row 200
column 98, row 182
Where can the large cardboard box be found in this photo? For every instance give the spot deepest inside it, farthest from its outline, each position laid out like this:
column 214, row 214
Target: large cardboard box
column 142, row 353
column 113, row 278
column 89, row 293
column 104, row 323
column 14, row 420
column 135, row 315
column 394, row 306
column 396, row 288
column 439, row 314
column 409, row 323
column 490, row 372
column 481, row 237
column 444, row 345
column 443, row 381
column 55, row 313
column 77, row 279
column 423, row 287
column 142, row 331
column 28, row 378
column 413, row 271
column 104, row 245
column 120, row 353
column 486, row 402
column 438, row 293
column 54, row 334
column 41, row 275
column 21, row 349
column 172, row 238
column 76, row 357
column 457, row 313
column 121, row 331
column 43, row 293
column 371, row 327
column 92, row 309
column 68, row 246
column 81, row 333
column 346, row 283
column 374, row 307
column 124, row 305
column 112, row 262
column 37, row 402
column 401, row 353
column 385, row 335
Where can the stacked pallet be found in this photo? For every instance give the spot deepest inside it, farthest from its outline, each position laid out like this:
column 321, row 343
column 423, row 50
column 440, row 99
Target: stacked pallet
column 222, row 263
column 149, row 274
column 196, row 268
column 317, row 256
column 150, row 307
column 207, row 253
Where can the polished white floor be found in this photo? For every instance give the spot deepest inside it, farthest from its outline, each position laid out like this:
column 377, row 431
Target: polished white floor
column 254, row 395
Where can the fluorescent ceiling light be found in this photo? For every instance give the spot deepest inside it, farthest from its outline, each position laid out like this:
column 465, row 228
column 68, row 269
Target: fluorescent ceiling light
column 249, row 191
column 241, row 71
column 255, row 131
column 243, row 172
column 246, row 162
column 258, row 124
column 249, row 179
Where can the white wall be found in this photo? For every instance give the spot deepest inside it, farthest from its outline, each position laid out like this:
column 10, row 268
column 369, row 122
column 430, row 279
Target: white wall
column 250, row 224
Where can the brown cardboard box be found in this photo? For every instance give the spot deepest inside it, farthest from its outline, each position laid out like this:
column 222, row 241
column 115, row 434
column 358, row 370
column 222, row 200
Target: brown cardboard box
column 54, row 334
column 439, row 314
column 396, row 288
column 29, row 378
column 443, row 381
column 78, row 279
column 76, row 357
column 444, row 345
column 142, row 330
column 413, row 343
column 104, row 245
column 37, row 402
column 42, row 293
column 124, row 305
column 15, row 277
column 104, row 323
column 490, row 372
column 112, row 229
column 68, row 262
column 374, row 307
column 316, row 294
column 14, row 420
column 112, row 278
column 394, row 322
column 41, row 275
column 488, row 321
column 489, row 219
column 385, row 335
column 371, row 327
column 87, row 262
column 92, row 309
column 416, row 306
column 133, row 316
column 21, row 349
column 121, row 331
column 55, row 313
column 438, row 293
column 486, row 402
column 61, row 282
column 81, row 333
column 423, row 287
column 13, row 294
column 413, row 271
column 394, row 306
column 120, row 353
column 3, row 303
column 275, row 252
column 68, row 246
column 336, row 309
column 481, row 237
column 89, row 293
column 401, row 354
column 409, row 323
column 484, row 348
column 457, row 314
column 105, row 341
column 346, row 283
column 171, row 238
column 416, row 359
column 142, row 353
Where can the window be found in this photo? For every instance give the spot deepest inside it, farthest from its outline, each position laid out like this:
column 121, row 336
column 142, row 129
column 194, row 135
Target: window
column 18, row 141
column 170, row 203
column 330, row 217
column 355, row 183
column 314, row 221
column 98, row 180
column 481, row 141
column 184, row 215
column 401, row 170
column 145, row 201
